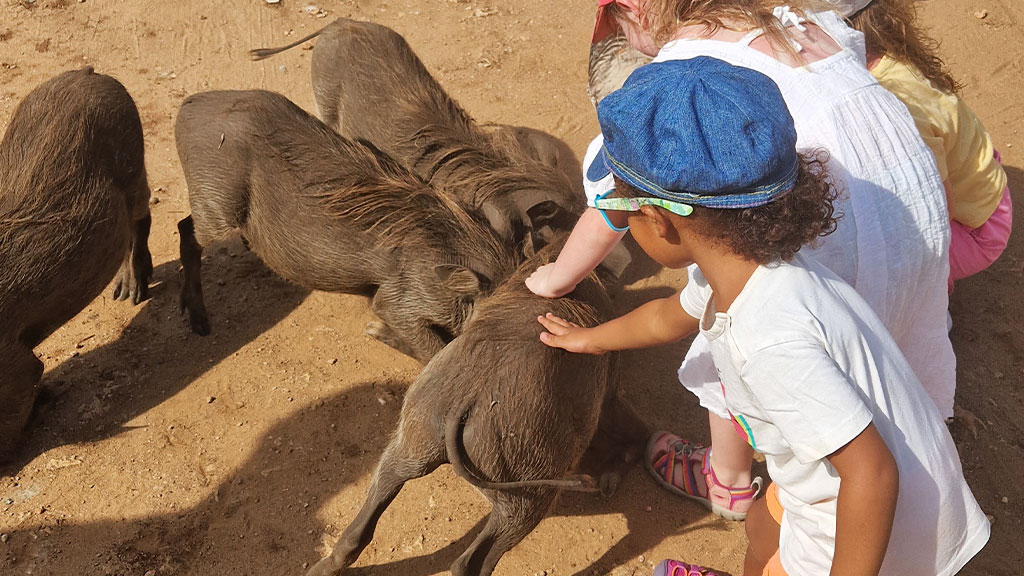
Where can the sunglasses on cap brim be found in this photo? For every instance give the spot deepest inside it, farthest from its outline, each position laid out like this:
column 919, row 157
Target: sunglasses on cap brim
column 634, row 204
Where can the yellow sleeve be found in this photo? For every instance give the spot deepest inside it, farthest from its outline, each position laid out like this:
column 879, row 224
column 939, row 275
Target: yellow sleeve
column 963, row 149
column 976, row 179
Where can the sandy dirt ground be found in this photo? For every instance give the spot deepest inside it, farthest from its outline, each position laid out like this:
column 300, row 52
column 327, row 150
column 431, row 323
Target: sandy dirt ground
column 249, row 451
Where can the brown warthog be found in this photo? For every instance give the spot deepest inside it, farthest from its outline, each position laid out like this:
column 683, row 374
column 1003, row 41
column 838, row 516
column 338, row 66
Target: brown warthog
column 369, row 84
column 611, row 61
column 513, row 417
column 331, row 214
column 74, row 207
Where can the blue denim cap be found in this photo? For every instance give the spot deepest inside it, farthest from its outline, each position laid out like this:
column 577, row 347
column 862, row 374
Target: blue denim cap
column 701, row 132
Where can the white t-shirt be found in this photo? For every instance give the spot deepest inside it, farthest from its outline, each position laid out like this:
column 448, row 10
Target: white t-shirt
column 806, row 365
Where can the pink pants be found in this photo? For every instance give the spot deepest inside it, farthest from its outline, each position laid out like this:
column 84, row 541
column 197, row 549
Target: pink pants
column 973, row 250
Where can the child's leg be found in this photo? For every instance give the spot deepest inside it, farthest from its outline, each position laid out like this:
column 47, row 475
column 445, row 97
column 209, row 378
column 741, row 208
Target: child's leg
column 763, row 522
column 721, row 481
column 732, row 456
column 590, row 241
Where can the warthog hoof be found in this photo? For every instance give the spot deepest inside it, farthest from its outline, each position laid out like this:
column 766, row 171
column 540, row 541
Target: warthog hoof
column 325, row 567
column 132, row 282
column 197, row 319
column 609, row 483
column 199, row 323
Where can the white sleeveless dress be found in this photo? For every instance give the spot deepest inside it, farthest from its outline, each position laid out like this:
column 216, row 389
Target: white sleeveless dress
column 892, row 241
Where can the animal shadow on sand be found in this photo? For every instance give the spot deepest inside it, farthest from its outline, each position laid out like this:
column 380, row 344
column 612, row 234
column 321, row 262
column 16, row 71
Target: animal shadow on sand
column 263, row 518
column 257, row 519
column 88, row 396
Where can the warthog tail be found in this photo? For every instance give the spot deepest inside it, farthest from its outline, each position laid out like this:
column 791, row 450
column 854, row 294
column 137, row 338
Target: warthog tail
column 261, row 53
column 453, row 438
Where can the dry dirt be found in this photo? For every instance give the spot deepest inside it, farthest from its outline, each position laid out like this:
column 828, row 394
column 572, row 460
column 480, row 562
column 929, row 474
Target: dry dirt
column 248, row 451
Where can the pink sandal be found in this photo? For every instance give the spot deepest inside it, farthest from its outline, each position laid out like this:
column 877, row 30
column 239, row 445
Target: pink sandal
column 665, row 450
column 677, row 568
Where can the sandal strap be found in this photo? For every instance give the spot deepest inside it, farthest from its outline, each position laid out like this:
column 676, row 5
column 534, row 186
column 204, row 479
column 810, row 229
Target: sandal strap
column 666, row 465
column 735, row 493
column 677, row 568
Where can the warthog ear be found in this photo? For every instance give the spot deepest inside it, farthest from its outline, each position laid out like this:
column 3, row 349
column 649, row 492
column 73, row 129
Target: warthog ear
column 539, row 210
column 458, row 279
column 500, row 219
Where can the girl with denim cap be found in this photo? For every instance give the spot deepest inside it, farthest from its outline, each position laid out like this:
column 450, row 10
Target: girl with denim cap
column 707, row 174
column 891, row 244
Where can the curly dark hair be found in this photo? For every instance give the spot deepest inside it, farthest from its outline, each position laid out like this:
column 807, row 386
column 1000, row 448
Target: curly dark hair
column 775, row 231
column 891, row 28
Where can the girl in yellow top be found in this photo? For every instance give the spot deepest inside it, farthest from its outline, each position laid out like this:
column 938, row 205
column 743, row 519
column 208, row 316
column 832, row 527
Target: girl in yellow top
column 904, row 61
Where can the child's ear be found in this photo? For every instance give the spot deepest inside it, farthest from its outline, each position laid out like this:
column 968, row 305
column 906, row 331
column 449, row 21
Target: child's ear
column 659, row 220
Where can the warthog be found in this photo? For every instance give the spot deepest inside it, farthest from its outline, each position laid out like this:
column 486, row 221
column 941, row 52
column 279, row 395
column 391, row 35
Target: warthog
column 74, row 207
column 368, row 83
column 511, row 415
column 611, row 61
column 331, row 214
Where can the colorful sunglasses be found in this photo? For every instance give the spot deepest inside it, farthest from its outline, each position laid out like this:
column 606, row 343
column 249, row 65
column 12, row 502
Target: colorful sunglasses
column 634, row 204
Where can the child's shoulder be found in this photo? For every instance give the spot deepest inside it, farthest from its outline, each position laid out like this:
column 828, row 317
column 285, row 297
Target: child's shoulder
column 796, row 300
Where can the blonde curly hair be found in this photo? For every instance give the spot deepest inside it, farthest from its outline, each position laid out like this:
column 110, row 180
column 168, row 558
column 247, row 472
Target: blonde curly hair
column 890, row 28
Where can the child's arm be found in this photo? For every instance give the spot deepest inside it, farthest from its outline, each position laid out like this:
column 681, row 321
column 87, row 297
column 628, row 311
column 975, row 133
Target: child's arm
column 869, row 485
column 590, row 241
column 656, row 322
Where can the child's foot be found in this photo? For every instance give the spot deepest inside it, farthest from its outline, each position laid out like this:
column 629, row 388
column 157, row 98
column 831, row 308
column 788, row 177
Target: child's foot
column 677, row 568
column 685, row 469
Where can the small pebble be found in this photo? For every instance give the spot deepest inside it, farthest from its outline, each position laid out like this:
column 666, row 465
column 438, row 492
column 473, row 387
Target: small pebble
column 210, row 399
column 642, row 558
column 150, row 573
column 4, row 538
column 305, row 565
column 981, row 14
column 8, row 501
column 1005, row 500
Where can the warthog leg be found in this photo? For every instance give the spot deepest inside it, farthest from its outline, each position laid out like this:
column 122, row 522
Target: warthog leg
column 21, row 372
column 133, row 277
column 192, row 287
column 514, row 514
column 617, row 445
column 410, row 455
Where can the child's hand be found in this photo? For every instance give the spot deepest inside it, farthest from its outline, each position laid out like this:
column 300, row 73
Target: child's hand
column 566, row 335
column 539, row 283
